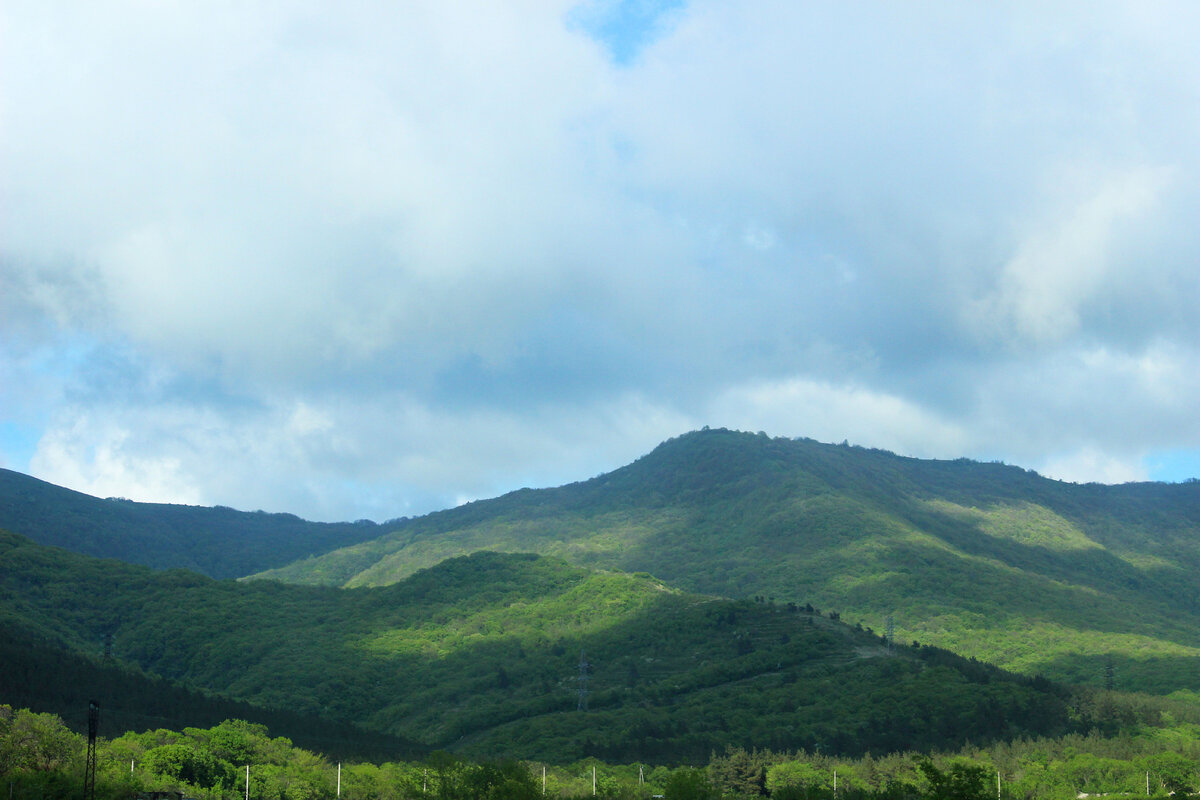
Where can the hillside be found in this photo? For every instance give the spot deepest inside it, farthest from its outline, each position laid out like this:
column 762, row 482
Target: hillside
column 481, row 654
column 989, row 560
column 48, row 679
column 219, row 542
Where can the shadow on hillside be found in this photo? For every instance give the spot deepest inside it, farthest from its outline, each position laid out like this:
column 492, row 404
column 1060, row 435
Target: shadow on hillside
column 1093, row 567
column 1159, row 675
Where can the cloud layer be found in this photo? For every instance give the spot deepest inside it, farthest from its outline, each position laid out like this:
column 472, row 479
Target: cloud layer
column 375, row 261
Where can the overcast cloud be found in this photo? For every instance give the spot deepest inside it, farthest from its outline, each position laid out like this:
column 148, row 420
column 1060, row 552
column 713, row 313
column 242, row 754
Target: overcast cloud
column 376, row 260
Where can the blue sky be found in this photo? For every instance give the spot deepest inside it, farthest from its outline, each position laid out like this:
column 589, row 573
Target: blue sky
column 378, row 260
column 626, row 27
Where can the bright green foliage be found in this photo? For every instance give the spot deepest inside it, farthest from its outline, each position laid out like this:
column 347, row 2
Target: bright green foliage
column 795, row 779
column 34, row 742
column 1163, row 758
column 189, row 764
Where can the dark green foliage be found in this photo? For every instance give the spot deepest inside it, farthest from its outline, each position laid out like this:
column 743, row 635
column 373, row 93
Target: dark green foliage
column 36, row 675
column 959, row 781
column 689, row 783
column 481, row 654
column 739, row 772
column 220, row 542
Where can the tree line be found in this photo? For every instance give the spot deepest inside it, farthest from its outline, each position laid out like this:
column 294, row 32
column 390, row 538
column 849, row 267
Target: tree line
column 40, row 757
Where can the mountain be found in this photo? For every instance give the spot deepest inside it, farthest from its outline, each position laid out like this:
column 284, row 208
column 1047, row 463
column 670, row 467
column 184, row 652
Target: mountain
column 993, row 561
column 484, row 654
column 218, row 542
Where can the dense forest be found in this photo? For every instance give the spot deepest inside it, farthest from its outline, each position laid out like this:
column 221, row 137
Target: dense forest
column 988, row 560
column 483, row 654
column 37, row 675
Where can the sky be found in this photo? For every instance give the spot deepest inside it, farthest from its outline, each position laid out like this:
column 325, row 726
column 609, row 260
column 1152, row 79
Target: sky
column 374, row 259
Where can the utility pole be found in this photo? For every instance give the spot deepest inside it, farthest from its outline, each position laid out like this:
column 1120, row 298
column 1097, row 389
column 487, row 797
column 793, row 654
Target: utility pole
column 89, row 770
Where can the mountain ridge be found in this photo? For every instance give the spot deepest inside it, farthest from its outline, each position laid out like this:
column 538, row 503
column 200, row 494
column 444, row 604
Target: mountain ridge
column 990, row 560
column 217, row 541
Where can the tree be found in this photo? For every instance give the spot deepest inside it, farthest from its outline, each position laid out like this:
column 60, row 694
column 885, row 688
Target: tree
column 35, row 741
column 739, row 772
column 191, row 764
column 794, row 779
column 689, row 783
column 961, row 781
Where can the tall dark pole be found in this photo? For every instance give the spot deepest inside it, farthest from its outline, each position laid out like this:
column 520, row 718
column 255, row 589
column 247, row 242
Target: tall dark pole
column 89, row 771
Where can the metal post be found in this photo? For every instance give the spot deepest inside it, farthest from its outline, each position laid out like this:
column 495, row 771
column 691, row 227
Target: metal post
column 89, row 773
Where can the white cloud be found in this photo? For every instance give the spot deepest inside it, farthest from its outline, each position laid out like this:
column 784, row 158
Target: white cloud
column 434, row 250
column 379, row 457
column 826, row 412
column 1056, row 271
column 1091, row 465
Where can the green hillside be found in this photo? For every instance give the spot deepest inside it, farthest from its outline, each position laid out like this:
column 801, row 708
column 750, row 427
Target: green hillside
column 219, row 542
column 988, row 560
column 482, row 655
column 48, row 679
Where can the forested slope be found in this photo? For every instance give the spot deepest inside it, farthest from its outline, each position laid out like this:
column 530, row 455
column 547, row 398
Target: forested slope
column 482, row 654
column 49, row 679
column 986, row 559
column 219, row 542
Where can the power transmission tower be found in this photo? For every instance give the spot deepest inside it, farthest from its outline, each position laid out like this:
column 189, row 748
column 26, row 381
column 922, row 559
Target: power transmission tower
column 1109, row 674
column 891, row 634
column 89, row 770
column 584, row 667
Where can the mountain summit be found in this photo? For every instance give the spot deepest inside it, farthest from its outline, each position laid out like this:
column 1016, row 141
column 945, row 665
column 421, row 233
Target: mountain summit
column 989, row 560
